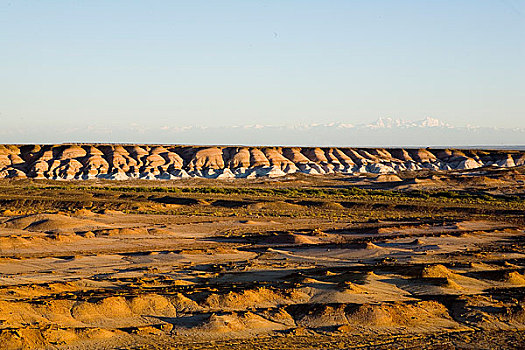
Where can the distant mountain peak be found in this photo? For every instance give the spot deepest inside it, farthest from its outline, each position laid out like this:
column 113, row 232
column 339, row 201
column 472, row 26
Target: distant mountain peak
column 387, row 122
column 433, row 122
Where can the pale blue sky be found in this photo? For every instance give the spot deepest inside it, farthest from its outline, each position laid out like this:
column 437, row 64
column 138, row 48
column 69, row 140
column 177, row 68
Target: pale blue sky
column 214, row 63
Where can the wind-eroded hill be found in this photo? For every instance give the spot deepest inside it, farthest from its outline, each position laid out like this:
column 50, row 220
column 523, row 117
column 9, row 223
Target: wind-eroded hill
column 87, row 161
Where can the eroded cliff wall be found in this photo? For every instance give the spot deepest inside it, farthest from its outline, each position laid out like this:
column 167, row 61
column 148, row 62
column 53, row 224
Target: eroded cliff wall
column 120, row 162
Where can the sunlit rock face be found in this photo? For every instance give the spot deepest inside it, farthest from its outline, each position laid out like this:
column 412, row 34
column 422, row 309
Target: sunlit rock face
column 121, row 162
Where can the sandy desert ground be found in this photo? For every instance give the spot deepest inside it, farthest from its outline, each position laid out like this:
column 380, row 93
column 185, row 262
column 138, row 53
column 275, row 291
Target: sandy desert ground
column 430, row 259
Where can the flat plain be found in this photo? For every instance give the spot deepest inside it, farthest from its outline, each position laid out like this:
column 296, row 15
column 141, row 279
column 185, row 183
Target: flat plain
column 425, row 259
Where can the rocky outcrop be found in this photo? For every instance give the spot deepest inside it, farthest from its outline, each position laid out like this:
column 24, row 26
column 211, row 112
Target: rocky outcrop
column 120, row 162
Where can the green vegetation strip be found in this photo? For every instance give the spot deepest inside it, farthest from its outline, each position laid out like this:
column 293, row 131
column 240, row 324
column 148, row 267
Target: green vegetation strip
column 353, row 192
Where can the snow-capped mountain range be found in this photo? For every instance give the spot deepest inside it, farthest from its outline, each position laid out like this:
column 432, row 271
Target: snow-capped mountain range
column 384, row 132
column 428, row 122
column 380, row 123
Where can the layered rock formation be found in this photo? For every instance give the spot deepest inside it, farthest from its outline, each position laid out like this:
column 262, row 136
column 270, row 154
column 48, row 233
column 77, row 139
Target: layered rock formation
column 120, row 162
